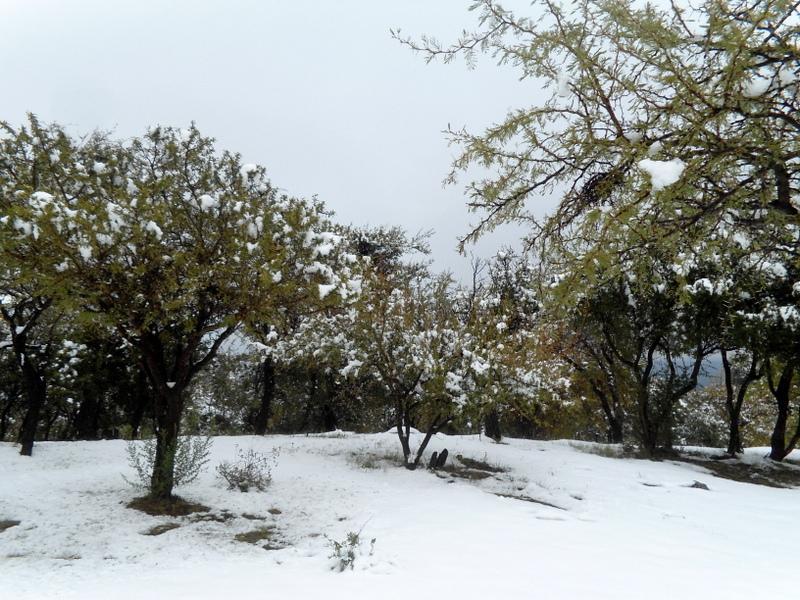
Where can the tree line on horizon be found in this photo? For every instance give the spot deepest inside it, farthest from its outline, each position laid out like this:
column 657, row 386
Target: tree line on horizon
column 159, row 286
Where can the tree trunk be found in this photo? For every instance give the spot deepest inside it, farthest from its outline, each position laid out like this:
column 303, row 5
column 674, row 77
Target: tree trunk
column 648, row 433
column 168, row 408
column 778, row 437
column 613, row 420
column 142, row 398
column 778, row 448
column 36, row 391
column 734, row 402
column 492, row 425
column 403, row 430
column 433, row 428
column 329, row 420
column 615, row 433
column 735, row 445
column 88, row 418
column 266, row 381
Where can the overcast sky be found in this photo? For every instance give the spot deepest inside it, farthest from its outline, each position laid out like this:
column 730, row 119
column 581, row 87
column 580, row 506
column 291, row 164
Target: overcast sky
column 316, row 91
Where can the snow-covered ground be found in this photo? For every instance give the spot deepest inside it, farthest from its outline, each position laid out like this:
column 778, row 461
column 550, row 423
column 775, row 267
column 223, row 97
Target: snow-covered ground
column 619, row 528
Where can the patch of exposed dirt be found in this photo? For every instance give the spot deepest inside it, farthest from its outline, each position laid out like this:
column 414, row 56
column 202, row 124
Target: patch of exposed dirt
column 251, row 517
column 174, row 507
column 221, row 517
column 479, row 465
column 777, row 475
column 256, row 535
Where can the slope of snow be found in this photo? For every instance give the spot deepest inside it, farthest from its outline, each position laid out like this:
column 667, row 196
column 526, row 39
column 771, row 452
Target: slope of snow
column 619, row 528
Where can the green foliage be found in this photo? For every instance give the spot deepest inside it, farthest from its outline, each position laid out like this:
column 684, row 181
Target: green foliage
column 191, row 459
column 712, row 85
column 671, row 133
column 223, row 394
column 163, row 239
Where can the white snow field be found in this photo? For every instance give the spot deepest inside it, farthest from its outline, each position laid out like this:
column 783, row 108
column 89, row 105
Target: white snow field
column 619, row 528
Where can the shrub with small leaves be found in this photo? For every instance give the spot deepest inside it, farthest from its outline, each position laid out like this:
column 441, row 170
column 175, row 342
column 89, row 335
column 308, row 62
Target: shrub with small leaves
column 345, row 552
column 251, row 469
column 191, row 458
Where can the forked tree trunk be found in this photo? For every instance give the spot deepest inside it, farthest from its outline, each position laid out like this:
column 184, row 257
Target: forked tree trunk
column 433, row 428
column 169, row 376
column 735, row 400
column 656, row 420
column 613, row 418
column 648, row 431
column 779, row 448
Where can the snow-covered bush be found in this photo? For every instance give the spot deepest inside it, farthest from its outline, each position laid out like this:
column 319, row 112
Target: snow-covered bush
column 251, row 469
column 700, row 418
column 344, row 553
column 191, row 458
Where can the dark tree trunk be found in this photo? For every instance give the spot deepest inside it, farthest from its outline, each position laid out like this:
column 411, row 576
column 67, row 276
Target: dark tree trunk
column 7, row 408
column 433, row 428
column 648, row 431
column 36, row 392
column 170, row 373
column 33, row 379
column 4, row 421
column 266, row 382
column 309, row 421
column 88, row 418
column 735, row 401
column 403, row 430
column 735, row 445
column 656, row 414
column 329, row 420
column 779, row 449
column 168, row 409
column 142, row 398
column 615, row 432
column 613, row 419
column 778, row 438
column 492, row 425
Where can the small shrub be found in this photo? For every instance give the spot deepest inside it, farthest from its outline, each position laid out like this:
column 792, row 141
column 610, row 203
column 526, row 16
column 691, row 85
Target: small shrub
column 251, row 469
column 191, row 458
column 345, row 552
